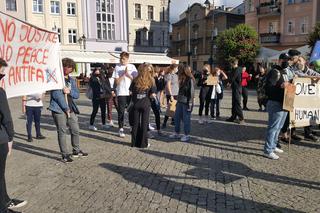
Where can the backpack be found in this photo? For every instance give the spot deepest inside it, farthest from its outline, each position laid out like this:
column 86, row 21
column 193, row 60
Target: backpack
column 89, row 93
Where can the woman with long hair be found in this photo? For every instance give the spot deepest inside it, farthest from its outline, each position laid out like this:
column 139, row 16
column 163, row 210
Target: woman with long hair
column 142, row 89
column 185, row 102
column 205, row 93
column 172, row 88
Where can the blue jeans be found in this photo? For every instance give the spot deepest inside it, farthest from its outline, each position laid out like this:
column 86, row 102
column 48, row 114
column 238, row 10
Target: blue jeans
column 276, row 120
column 182, row 114
column 33, row 114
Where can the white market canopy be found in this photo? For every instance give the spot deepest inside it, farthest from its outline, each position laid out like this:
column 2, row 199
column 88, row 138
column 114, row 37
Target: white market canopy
column 305, row 50
column 265, row 53
column 112, row 58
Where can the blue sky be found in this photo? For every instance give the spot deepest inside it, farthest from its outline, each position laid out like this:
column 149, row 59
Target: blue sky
column 178, row 6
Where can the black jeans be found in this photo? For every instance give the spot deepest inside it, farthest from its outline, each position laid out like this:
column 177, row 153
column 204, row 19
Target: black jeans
column 205, row 99
column 4, row 198
column 140, row 114
column 123, row 102
column 215, row 103
column 95, row 107
column 33, row 114
column 156, row 112
column 245, row 96
column 236, row 105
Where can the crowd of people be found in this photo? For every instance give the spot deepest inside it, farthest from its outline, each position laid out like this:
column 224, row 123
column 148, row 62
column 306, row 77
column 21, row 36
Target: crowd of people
column 134, row 92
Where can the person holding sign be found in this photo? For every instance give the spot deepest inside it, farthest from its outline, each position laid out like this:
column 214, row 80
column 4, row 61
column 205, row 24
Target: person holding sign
column 205, row 93
column 6, row 140
column 64, row 112
column 276, row 81
column 124, row 74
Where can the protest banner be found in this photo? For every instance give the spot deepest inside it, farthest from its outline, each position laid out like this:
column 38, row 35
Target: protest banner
column 303, row 102
column 212, row 80
column 33, row 58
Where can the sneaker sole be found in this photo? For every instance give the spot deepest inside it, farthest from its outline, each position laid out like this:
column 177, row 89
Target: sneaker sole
column 19, row 205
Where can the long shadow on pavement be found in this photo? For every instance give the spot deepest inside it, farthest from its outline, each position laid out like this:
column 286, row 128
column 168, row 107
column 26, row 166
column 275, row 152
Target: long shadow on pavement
column 228, row 171
column 182, row 192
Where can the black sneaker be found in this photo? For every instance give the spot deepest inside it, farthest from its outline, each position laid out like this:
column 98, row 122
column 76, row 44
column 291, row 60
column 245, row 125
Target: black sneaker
column 29, row 139
column 66, row 159
column 164, row 126
column 79, row 154
column 230, row 120
column 278, row 145
column 15, row 203
column 311, row 137
column 40, row 137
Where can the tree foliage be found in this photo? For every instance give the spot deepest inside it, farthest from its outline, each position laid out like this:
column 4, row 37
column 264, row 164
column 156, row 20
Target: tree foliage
column 314, row 36
column 240, row 42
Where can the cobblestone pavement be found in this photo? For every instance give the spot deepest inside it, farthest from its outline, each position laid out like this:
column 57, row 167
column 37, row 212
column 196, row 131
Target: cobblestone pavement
column 221, row 170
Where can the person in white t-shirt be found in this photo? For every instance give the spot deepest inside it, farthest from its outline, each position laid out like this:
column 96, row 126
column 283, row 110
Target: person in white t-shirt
column 33, row 105
column 124, row 74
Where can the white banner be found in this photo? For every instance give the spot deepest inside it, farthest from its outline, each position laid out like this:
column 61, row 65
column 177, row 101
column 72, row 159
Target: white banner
column 32, row 54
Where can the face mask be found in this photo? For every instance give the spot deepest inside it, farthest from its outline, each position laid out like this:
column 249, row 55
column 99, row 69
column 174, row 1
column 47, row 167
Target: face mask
column 284, row 64
column 300, row 66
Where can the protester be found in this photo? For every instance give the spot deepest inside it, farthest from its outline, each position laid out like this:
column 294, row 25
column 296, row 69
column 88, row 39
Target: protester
column 100, row 92
column 155, row 102
column 142, row 89
column 64, row 113
column 172, row 88
column 111, row 100
column 246, row 77
column 33, row 106
column 6, row 141
column 124, row 74
column 217, row 93
column 235, row 82
column 160, row 83
column 185, row 101
column 261, row 94
column 276, row 81
column 205, row 94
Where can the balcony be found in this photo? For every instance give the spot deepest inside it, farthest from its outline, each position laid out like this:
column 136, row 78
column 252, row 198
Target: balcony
column 267, row 9
column 269, row 38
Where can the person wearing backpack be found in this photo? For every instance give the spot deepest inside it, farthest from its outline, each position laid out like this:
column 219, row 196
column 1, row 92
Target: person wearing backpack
column 276, row 82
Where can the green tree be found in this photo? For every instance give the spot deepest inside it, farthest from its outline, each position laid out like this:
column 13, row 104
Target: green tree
column 314, row 36
column 240, row 42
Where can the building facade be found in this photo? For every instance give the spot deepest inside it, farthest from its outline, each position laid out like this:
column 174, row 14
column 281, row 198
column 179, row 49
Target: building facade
column 62, row 16
column 282, row 24
column 193, row 36
column 105, row 25
column 148, row 24
column 15, row 8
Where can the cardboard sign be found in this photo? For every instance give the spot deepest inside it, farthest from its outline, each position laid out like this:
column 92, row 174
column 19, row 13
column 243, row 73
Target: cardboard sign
column 303, row 102
column 212, row 80
column 32, row 55
column 171, row 108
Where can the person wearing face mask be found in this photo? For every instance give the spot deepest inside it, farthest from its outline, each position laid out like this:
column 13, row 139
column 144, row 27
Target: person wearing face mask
column 205, row 94
column 6, row 140
column 64, row 112
column 99, row 94
column 276, row 82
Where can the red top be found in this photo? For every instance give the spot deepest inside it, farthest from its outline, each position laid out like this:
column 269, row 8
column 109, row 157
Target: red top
column 245, row 78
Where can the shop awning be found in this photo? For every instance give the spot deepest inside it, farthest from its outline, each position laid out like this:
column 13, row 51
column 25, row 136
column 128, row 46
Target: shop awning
column 89, row 56
column 152, row 58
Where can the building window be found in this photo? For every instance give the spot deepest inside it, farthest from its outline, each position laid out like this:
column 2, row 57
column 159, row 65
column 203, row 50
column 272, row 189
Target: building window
column 291, row 1
column 138, row 38
column 290, row 28
column 137, row 9
column 163, row 38
column 195, row 16
column 271, row 27
column 11, row 5
column 37, row 6
column 150, row 39
column 105, row 20
column 196, row 34
column 304, row 25
column 250, row 6
column 58, row 31
column 55, row 7
column 195, row 51
column 150, row 12
column 178, row 36
column 71, row 8
column 179, row 51
column 72, row 33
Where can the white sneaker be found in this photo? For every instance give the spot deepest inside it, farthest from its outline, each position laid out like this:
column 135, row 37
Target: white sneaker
column 121, row 133
column 277, row 150
column 272, row 156
column 151, row 127
column 175, row 136
column 185, row 138
column 111, row 123
column 93, row 128
column 200, row 121
column 106, row 126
